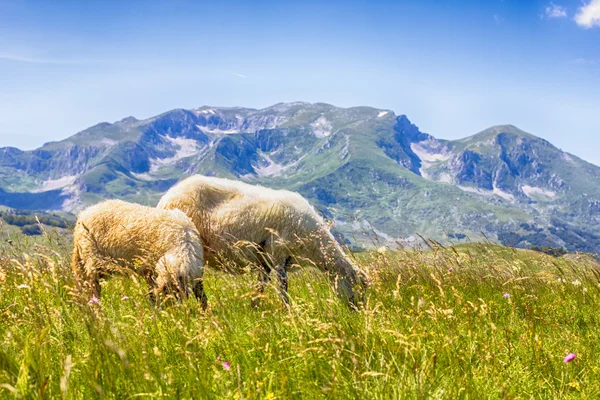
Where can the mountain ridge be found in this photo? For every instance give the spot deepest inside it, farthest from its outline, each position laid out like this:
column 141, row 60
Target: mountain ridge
column 367, row 168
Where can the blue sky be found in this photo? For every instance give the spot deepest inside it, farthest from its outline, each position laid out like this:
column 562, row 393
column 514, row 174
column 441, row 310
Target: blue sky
column 454, row 67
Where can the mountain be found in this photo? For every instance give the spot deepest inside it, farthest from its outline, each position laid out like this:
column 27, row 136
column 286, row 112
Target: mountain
column 374, row 173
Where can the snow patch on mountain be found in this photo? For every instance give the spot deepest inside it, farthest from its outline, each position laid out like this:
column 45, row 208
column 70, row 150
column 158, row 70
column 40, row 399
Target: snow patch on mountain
column 268, row 167
column 487, row 193
column 73, row 202
column 53, row 184
column 531, row 192
column 217, row 130
column 382, row 114
column 366, row 227
column 321, row 127
column 428, row 156
column 186, row 148
column 445, row 178
column 469, row 189
column 567, row 157
column 504, row 195
column 143, row 177
column 109, row 142
column 425, row 154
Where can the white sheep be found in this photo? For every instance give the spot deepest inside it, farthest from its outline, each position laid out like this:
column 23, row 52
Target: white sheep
column 242, row 224
column 162, row 245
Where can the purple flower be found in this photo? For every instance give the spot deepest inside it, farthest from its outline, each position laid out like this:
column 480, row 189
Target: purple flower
column 506, row 295
column 218, row 358
column 94, row 300
column 124, row 298
column 570, row 357
column 450, row 269
column 226, row 365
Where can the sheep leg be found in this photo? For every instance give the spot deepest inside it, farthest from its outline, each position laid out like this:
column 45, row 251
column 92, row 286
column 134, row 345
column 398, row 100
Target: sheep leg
column 95, row 283
column 200, row 294
column 283, row 281
column 263, row 281
column 91, row 272
column 283, row 286
column 152, row 289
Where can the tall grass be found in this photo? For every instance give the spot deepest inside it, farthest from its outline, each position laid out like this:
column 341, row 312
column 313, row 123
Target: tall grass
column 475, row 322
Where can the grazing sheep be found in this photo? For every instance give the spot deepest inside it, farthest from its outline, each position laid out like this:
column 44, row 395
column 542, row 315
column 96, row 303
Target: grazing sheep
column 242, row 224
column 162, row 245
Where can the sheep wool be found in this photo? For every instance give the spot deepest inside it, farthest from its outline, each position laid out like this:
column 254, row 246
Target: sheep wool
column 242, row 224
column 162, row 245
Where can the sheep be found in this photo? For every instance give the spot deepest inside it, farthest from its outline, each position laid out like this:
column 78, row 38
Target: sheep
column 242, row 224
column 162, row 245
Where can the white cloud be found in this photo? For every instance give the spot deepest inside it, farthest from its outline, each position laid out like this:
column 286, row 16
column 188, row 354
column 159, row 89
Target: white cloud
column 238, row 75
column 555, row 11
column 588, row 16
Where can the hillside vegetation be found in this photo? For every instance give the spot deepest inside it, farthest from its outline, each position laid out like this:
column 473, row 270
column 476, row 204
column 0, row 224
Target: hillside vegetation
column 366, row 168
column 472, row 322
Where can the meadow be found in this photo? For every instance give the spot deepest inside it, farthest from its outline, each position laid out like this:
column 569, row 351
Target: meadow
column 468, row 322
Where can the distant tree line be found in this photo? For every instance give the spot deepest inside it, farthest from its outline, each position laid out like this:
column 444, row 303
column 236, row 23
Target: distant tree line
column 551, row 251
column 27, row 220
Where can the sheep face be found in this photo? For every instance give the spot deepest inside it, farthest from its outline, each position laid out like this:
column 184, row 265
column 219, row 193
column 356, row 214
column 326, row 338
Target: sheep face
column 351, row 285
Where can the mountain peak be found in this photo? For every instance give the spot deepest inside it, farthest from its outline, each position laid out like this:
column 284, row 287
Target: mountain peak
column 128, row 120
column 282, row 107
column 356, row 163
column 497, row 130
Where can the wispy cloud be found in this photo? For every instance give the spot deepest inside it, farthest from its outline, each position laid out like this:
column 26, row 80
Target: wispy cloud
column 238, row 75
column 498, row 19
column 555, row 11
column 583, row 61
column 588, row 16
column 20, row 58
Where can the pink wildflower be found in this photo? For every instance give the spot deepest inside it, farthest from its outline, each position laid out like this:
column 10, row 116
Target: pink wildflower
column 94, row 300
column 506, row 295
column 570, row 357
column 124, row 298
column 226, row 365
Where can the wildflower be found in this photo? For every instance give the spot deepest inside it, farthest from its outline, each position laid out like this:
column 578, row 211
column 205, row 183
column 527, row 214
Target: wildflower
column 23, row 286
column 574, row 384
column 382, row 250
column 124, row 298
column 506, row 295
column 218, row 358
column 570, row 357
column 576, row 282
column 450, row 269
column 226, row 365
column 94, row 300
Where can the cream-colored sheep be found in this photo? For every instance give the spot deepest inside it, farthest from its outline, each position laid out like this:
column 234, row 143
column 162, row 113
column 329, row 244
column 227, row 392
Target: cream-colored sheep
column 242, row 224
column 162, row 245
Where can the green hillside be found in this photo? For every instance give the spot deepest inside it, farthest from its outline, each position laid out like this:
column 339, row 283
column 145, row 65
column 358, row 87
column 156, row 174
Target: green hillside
column 374, row 173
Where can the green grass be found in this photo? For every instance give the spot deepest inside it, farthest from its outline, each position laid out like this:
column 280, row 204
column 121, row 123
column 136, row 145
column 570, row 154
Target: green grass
column 435, row 325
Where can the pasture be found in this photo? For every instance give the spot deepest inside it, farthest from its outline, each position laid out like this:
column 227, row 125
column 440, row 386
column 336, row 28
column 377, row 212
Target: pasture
column 473, row 322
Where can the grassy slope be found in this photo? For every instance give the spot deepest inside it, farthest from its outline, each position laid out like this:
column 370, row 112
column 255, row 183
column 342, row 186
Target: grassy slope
column 435, row 325
column 362, row 181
